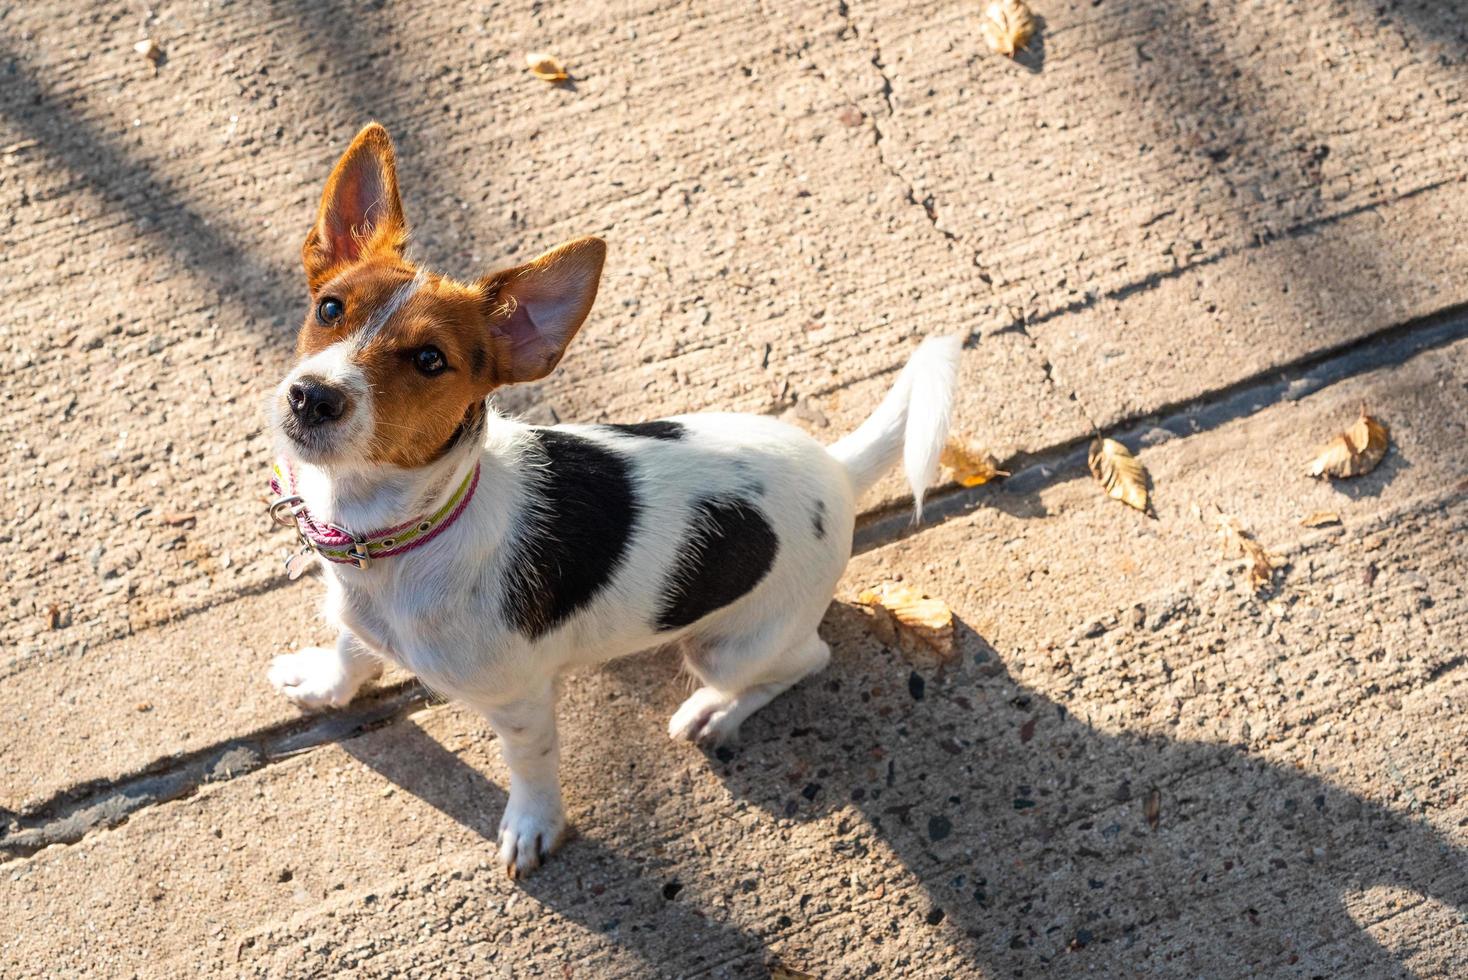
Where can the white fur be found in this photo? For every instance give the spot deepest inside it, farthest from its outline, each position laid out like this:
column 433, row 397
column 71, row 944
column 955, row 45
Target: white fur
column 439, row 610
column 912, row 421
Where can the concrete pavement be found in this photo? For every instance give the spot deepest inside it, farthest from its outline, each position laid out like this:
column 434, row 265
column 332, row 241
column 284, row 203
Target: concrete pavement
column 1214, row 233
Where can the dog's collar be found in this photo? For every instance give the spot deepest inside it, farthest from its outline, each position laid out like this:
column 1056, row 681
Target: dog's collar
column 341, row 546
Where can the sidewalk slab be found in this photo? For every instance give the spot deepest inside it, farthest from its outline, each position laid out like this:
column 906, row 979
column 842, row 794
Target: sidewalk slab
column 892, row 815
column 123, row 707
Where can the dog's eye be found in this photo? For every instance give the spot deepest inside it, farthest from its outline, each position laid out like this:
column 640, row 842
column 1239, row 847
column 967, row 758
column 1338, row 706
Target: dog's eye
column 430, row 360
column 329, row 311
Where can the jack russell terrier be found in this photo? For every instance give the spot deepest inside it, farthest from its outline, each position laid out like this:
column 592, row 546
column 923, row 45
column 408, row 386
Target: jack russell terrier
column 488, row 556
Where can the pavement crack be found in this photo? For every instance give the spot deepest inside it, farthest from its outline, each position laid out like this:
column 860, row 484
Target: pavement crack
column 927, row 202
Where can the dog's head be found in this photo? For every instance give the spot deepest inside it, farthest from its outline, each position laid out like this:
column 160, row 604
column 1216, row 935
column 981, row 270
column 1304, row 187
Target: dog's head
column 395, row 360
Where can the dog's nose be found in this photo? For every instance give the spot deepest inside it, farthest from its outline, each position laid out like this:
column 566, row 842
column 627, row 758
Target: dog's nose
column 313, row 402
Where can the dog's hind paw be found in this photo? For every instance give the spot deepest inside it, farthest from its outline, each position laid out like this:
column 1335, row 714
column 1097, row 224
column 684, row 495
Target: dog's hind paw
column 705, row 717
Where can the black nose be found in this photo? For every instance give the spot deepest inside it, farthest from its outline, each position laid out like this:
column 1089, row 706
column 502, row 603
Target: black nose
column 313, row 402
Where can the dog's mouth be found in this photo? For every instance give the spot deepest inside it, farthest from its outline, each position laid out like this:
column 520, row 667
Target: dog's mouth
column 320, row 442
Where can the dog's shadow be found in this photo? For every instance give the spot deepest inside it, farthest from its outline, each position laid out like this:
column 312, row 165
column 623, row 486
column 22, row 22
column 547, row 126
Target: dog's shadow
column 1042, row 836
column 1036, row 834
column 636, row 889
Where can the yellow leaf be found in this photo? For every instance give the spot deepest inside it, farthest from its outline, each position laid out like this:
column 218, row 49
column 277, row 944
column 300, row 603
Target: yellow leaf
column 1321, row 518
column 1119, row 472
column 910, row 620
column 970, row 464
column 1354, row 452
column 1237, row 542
column 544, row 66
column 1007, row 26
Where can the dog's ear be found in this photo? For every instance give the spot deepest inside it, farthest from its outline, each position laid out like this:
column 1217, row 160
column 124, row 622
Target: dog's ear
column 536, row 308
column 360, row 211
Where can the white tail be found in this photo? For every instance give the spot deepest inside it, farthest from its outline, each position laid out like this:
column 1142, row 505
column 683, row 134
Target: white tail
column 912, row 422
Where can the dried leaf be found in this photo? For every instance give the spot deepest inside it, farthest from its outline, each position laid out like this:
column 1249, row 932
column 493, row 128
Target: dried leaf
column 910, row 620
column 149, row 49
column 545, row 67
column 970, row 464
column 1153, row 807
column 782, row 971
column 1119, row 472
column 1237, row 543
column 1321, row 518
column 1007, row 26
column 1354, row 452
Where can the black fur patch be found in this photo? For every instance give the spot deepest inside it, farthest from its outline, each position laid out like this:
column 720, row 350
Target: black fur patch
column 480, row 360
column 730, row 548
column 818, row 520
column 579, row 529
column 656, row 429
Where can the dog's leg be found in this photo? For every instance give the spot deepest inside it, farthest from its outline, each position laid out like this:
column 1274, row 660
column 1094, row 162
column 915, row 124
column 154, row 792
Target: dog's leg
column 533, row 821
column 321, row 677
column 740, row 677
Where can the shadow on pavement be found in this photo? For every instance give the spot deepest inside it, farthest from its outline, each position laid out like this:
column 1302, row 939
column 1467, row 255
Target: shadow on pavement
column 1029, row 828
column 156, row 204
column 1051, row 845
column 415, row 762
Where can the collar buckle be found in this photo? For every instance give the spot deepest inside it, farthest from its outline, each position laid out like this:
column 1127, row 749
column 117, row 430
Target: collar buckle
column 359, row 554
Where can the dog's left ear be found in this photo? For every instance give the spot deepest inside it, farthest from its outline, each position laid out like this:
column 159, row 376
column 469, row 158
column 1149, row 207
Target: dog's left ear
column 360, row 210
column 536, row 308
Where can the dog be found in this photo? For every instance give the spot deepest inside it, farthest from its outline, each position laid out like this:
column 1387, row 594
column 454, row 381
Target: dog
column 489, row 556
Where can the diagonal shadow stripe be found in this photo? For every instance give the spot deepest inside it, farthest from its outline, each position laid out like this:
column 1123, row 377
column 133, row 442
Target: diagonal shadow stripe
column 156, row 204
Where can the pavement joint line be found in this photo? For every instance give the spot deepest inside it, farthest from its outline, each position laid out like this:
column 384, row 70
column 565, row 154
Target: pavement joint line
column 1259, row 241
column 1293, row 381
column 69, row 815
column 77, row 811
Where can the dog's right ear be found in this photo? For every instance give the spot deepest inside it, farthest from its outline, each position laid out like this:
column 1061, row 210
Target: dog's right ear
column 360, row 211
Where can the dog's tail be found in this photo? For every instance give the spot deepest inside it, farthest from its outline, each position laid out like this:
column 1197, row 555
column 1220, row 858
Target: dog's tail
column 912, row 422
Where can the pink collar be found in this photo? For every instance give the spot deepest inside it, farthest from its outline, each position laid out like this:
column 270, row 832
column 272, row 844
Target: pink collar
column 341, row 546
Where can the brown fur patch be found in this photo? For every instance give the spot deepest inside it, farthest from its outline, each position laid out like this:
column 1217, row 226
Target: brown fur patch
column 511, row 326
column 417, row 414
column 363, row 288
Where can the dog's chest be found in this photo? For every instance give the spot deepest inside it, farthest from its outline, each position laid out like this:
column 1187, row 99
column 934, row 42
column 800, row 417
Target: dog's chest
column 425, row 620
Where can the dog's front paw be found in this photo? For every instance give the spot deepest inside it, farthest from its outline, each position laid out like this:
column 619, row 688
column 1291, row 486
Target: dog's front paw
column 528, row 835
column 314, row 677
